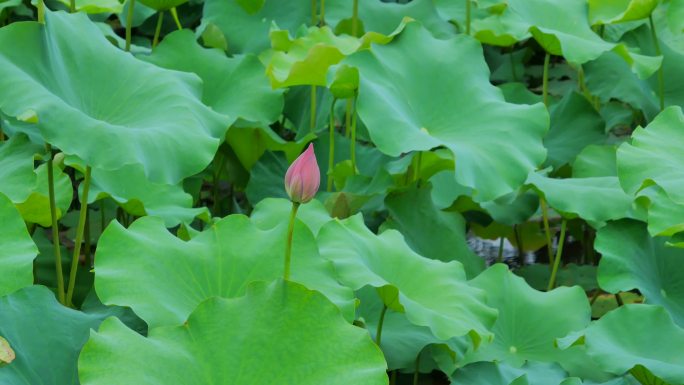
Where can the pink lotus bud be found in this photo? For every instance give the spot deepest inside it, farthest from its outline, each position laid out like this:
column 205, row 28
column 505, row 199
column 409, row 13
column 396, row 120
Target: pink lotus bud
column 303, row 177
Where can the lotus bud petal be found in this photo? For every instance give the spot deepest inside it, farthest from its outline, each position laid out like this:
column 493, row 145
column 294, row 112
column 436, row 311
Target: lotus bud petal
column 303, row 177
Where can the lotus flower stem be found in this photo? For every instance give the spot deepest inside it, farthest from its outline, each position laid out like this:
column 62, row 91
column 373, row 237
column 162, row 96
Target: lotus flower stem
column 288, row 246
column 41, row 11
column 547, row 229
column 157, row 30
column 313, row 12
column 661, row 80
column 174, row 14
column 129, row 24
column 55, row 229
column 353, row 138
column 322, row 19
column 416, row 372
column 331, row 152
column 545, row 79
column 347, row 118
column 499, row 257
column 79, row 236
column 312, row 116
column 556, row 260
column 378, row 332
column 72, row 6
column 467, row 17
column 355, row 18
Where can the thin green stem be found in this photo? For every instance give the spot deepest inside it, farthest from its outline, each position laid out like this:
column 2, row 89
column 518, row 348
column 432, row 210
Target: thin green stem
column 661, row 80
column 393, row 377
column 347, row 118
column 353, row 138
column 512, row 60
column 41, row 11
column 559, row 252
column 102, row 215
column 545, row 79
column 312, row 116
column 467, row 17
column 416, row 372
column 518, row 241
column 355, row 18
column 547, row 229
column 55, row 229
column 72, row 6
column 378, row 333
column 313, row 12
column 86, row 237
column 499, row 258
column 288, row 246
column 418, row 166
column 322, row 18
column 331, row 147
column 129, row 24
column 174, row 14
column 157, row 30
column 79, row 236
column 595, row 296
column 618, row 299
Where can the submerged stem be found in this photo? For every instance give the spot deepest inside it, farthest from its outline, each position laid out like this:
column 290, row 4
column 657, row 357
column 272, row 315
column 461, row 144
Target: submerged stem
column 378, row 333
column 331, row 152
column 129, row 24
column 55, row 230
column 559, row 252
column 157, row 30
column 661, row 80
column 79, row 236
column 288, row 246
column 545, row 79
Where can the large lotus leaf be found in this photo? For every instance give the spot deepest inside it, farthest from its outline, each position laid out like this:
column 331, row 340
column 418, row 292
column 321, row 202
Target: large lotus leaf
column 17, row 251
column 385, row 17
column 431, row 232
column 494, row 151
column 306, row 59
column 653, row 156
column 96, row 6
column 609, row 77
column 595, row 161
column 665, row 217
column 575, row 124
column 138, row 196
column 269, row 214
column 529, row 320
column 249, row 32
column 220, row 261
column 129, row 110
column 634, row 260
column 236, row 86
column 280, row 333
column 8, row 4
column 618, row 11
column 432, row 293
column 636, row 337
column 493, row 373
column 162, row 5
column 45, row 355
column 594, row 199
column 569, row 36
column 28, row 188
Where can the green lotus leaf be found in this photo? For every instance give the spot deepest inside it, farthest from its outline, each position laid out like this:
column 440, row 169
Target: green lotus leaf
column 490, row 158
column 269, row 213
column 249, row 32
column 664, row 215
column 385, row 17
column 624, row 339
column 23, row 316
column 653, row 156
column 221, row 261
column 432, row 293
column 431, row 232
column 594, row 199
column 41, row 71
column 236, row 87
column 500, row 373
column 305, row 59
column 17, row 252
column 618, row 11
column 537, row 276
column 298, row 332
column 28, row 188
column 9, row 4
column 609, row 77
column 344, row 82
column 675, row 15
column 529, row 320
column 634, row 260
column 575, row 124
column 96, row 6
column 162, row 5
column 138, row 196
column 595, row 161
